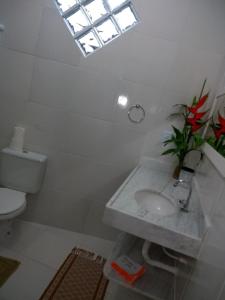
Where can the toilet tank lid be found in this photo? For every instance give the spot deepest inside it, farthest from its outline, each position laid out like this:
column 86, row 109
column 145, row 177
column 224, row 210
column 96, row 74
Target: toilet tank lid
column 26, row 154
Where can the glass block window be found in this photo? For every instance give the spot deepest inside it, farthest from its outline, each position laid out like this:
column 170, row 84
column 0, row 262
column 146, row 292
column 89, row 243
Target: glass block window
column 95, row 23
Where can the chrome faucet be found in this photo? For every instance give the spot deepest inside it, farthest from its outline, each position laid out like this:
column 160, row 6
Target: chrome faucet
column 186, row 185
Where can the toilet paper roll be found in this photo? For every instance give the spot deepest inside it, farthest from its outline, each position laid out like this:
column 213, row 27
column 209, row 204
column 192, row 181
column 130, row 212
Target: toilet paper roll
column 17, row 141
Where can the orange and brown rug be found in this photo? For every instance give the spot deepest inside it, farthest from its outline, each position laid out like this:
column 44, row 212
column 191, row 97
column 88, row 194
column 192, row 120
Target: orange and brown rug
column 7, row 267
column 79, row 278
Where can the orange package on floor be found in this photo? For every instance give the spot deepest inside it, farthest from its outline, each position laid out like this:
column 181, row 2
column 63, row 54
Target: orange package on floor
column 129, row 270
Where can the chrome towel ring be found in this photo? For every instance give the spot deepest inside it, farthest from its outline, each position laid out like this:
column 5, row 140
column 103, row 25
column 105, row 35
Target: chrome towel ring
column 134, row 109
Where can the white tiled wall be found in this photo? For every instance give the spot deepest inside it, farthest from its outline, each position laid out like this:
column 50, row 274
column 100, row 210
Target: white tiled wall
column 68, row 102
column 208, row 277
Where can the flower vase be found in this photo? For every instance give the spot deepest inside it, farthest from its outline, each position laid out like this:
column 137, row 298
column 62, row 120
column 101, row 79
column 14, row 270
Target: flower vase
column 177, row 170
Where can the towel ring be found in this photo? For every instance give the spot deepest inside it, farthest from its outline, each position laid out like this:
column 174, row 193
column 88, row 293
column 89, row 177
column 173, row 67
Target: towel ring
column 137, row 107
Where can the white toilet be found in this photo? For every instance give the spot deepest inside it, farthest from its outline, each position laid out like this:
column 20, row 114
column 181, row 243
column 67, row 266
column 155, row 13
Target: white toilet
column 20, row 173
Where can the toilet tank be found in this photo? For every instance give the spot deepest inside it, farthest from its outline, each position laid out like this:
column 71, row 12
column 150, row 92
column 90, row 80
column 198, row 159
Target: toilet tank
column 22, row 171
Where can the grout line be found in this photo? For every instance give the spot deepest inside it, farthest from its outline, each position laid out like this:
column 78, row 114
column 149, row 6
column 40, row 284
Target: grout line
column 89, row 69
column 84, row 157
column 221, row 291
column 68, row 111
column 21, row 251
column 48, row 229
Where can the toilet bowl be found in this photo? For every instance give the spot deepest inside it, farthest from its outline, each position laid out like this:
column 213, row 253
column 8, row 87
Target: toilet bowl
column 12, row 203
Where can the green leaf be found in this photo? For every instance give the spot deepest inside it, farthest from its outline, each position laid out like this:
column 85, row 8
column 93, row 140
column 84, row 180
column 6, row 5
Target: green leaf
column 177, row 131
column 168, row 141
column 211, row 140
column 181, row 105
column 170, row 151
column 198, row 140
column 194, row 101
column 176, row 114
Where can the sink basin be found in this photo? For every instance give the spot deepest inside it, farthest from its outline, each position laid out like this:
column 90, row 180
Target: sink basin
column 154, row 203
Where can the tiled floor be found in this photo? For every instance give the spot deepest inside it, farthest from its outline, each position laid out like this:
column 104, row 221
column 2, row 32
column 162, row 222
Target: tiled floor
column 41, row 250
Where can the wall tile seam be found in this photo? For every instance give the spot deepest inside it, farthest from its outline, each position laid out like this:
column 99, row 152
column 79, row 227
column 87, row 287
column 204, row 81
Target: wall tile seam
column 36, row 55
column 189, row 10
column 42, row 6
column 61, row 108
column 94, row 70
column 200, row 252
column 92, row 159
column 153, row 36
column 221, row 291
column 213, row 210
column 205, row 239
column 30, row 86
column 141, row 84
column 211, row 213
column 16, row 51
column 21, row 252
column 205, row 50
column 212, row 92
column 80, row 66
column 205, row 158
column 40, row 3
column 20, row 122
column 22, row 100
column 67, row 111
column 32, row 70
column 159, row 34
column 111, row 121
column 220, row 75
column 208, row 231
column 136, row 31
column 51, row 189
column 78, row 196
column 100, row 163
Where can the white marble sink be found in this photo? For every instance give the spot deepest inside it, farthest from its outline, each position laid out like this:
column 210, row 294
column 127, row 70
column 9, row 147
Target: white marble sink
column 145, row 207
column 154, row 203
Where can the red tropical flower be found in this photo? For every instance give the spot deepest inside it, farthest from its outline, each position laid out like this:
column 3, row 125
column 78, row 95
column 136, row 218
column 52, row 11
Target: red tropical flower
column 198, row 116
column 221, row 120
column 196, row 127
column 194, row 108
column 196, row 124
column 219, row 128
column 195, row 121
column 217, row 132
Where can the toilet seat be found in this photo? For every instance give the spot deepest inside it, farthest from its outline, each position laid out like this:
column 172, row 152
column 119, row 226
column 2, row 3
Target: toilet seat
column 12, row 203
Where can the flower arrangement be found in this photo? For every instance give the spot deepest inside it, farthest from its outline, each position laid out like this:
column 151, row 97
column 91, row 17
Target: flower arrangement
column 218, row 140
column 188, row 138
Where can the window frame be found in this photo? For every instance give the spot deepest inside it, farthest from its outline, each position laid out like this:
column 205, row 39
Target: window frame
column 109, row 15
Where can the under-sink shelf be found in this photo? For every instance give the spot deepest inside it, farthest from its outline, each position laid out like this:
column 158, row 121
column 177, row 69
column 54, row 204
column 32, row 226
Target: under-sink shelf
column 156, row 283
